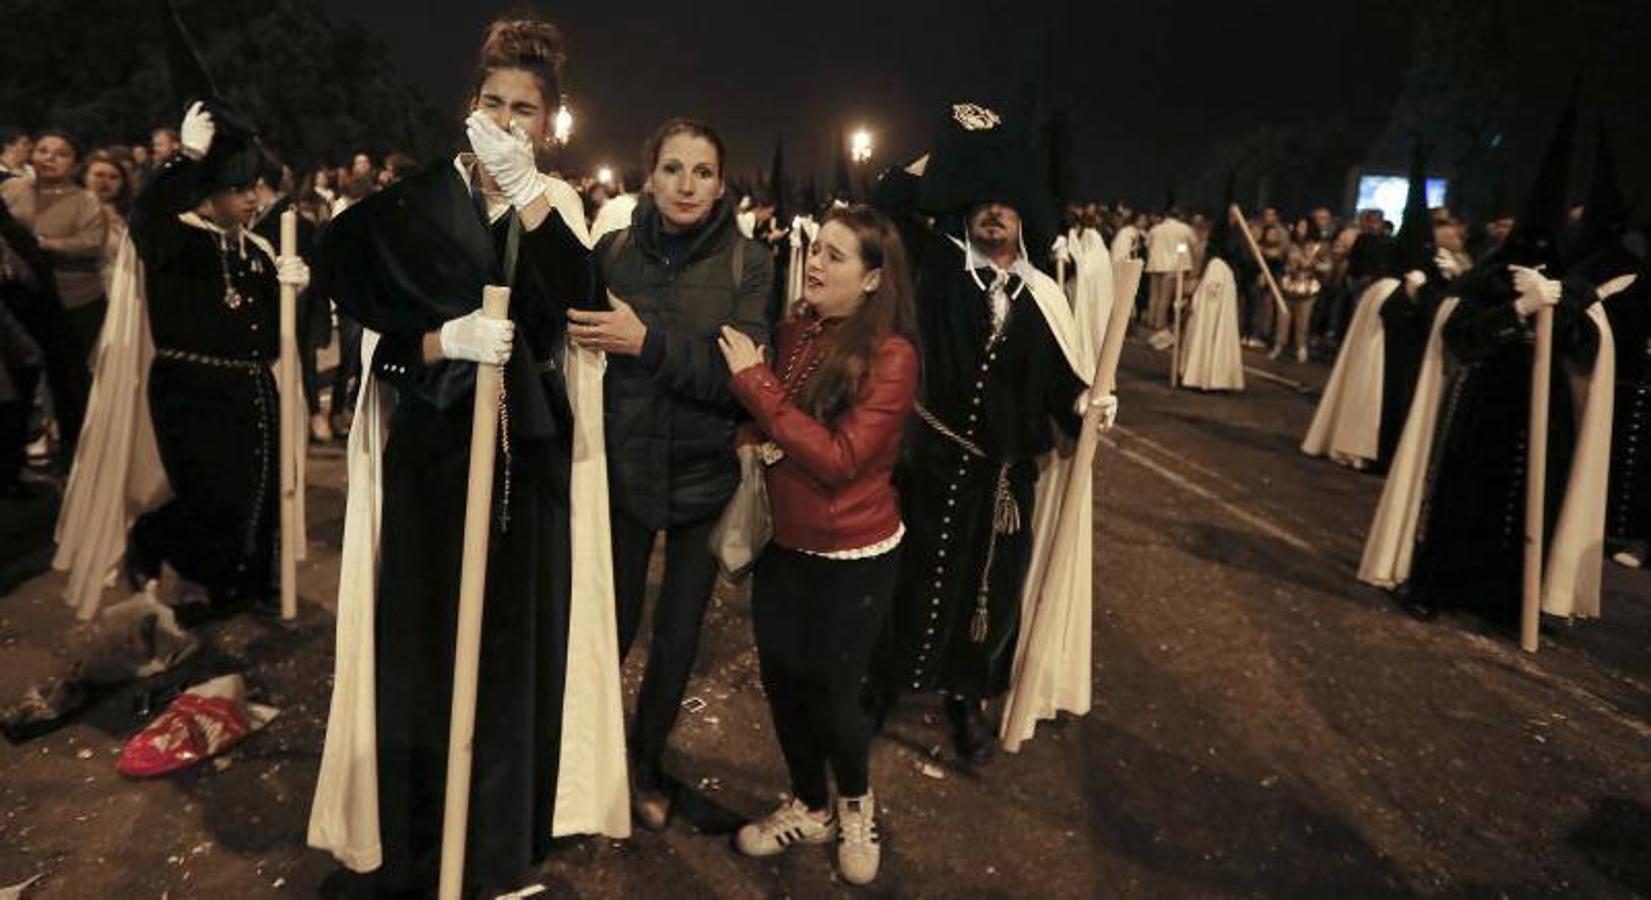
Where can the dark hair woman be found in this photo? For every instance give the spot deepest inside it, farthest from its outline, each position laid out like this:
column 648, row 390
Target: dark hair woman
column 68, row 305
column 409, row 263
column 675, row 277
column 832, row 414
column 109, row 182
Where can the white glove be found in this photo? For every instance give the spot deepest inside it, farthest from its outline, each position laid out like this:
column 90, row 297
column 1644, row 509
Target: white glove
column 1535, row 291
column 478, row 337
column 292, row 270
column 1107, row 405
column 197, row 130
column 1446, row 261
column 1413, row 281
column 1060, row 251
column 507, row 156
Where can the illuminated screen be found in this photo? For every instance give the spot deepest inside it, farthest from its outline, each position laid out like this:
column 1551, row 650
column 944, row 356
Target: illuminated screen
column 1389, row 192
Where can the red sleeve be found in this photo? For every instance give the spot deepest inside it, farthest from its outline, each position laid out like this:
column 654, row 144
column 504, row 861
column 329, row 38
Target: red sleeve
column 836, row 455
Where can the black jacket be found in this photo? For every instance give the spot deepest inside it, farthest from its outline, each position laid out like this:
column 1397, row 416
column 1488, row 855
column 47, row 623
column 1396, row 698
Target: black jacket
column 670, row 415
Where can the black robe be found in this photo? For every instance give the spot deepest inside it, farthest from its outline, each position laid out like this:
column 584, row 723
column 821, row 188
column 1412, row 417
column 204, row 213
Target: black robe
column 401, row 263
column 1628, row 508
column 1406, row 323
column 1470, row 538
column 1002, row 398
column 212, row 396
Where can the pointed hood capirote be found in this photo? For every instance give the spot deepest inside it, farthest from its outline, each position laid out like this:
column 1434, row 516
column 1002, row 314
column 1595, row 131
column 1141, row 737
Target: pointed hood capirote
column 1598, row 252
column 237, row 155
column 1416, row 245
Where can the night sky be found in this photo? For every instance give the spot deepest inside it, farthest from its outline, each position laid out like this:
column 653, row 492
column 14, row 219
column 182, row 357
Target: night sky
column 1150, row 84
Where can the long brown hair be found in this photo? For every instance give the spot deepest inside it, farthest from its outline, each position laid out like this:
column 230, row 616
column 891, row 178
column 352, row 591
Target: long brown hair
column 886, row 312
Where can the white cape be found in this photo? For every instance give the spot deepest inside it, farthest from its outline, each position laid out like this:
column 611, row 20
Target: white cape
column 1347, row 423
column 1211, row 357
column 117, row 473
column 1571, row 572
column 1052, row 670
column 592, row 796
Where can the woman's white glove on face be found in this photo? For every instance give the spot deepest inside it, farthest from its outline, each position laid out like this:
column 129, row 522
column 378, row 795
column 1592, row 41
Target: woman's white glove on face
column 507, row 156
column 478, row 338
column 292, row 270
column 196, row 133
column 1535, row 290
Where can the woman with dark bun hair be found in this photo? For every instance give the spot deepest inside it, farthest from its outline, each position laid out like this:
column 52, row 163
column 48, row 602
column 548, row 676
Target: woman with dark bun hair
column 409, row 263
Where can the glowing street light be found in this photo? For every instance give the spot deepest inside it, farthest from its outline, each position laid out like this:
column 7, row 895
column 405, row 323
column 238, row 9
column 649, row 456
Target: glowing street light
column 604, row 175
column 564, row 125
column 860, row 146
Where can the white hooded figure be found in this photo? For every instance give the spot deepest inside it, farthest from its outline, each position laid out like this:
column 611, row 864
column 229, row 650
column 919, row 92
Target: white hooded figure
column 1211, row 357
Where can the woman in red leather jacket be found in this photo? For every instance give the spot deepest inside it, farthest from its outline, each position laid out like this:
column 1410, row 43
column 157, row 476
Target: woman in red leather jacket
column 830, row 417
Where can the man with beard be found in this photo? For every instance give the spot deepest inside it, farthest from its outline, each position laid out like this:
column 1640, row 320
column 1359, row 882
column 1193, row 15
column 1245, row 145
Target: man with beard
column 999, row 371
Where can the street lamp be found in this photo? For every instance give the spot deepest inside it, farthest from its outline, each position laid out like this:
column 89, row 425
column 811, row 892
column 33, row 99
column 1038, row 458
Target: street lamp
column 860, row 146
column 564, row 125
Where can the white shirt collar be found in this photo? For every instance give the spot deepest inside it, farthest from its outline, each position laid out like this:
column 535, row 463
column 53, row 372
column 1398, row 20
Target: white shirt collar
column 497, row 203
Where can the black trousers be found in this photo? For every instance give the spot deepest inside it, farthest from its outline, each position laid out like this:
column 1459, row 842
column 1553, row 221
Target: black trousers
column 690, row 576
column 14, row 425
column 346, row 377
column 816, row 620
column 68, row 375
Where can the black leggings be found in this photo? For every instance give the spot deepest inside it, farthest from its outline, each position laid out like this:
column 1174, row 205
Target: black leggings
column 815, row 621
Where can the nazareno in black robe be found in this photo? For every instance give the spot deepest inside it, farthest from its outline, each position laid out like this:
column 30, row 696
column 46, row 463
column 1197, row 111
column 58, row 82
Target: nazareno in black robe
column 212, row 396
column 1406, row 323
column 1003, row 399
column 402, row 262
column 1470, row 539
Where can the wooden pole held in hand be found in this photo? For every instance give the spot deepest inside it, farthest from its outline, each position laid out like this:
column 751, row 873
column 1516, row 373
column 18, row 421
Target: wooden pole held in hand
column 1175, row 330
column 289, row 425
column 478, row 517
column 1536, row 480
column 1266, row 273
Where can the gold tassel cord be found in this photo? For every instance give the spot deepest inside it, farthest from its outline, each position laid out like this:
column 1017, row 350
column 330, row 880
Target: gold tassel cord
column 1005, row 511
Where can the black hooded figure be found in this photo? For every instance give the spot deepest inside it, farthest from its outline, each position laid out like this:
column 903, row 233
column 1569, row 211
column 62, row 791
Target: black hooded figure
column 1470, row 537
column 993, row 379
column 1601, row 256
column 1407, row 313
column 212, row 298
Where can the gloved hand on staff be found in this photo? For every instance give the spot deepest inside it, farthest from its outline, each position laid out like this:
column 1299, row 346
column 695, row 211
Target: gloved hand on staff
column 292, row 270
column 1536, row 291
column 479, row 338
column 1106, row 405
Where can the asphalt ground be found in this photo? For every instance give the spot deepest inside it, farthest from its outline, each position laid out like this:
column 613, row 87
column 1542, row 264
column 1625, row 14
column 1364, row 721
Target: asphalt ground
column 1264, row 725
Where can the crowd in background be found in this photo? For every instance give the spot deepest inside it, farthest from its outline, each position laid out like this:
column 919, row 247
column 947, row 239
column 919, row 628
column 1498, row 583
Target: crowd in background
column 74, row 203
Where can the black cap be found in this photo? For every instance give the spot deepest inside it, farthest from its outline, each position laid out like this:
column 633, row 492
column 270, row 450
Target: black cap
column 981, row 157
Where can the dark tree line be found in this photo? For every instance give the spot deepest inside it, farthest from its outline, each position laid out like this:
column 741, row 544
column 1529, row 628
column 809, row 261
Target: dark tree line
column 317, row 89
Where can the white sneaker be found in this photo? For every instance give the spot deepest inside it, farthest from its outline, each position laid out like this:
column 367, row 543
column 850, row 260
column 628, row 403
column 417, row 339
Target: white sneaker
column 858, row 849
column 789, row 824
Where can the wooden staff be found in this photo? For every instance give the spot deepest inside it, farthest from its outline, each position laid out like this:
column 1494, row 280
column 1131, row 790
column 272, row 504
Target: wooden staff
column 1076, row 495
column 289, row 426
column 1266, row 273
column 478, row 516
column 1536, row 479
column 1175, row 330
